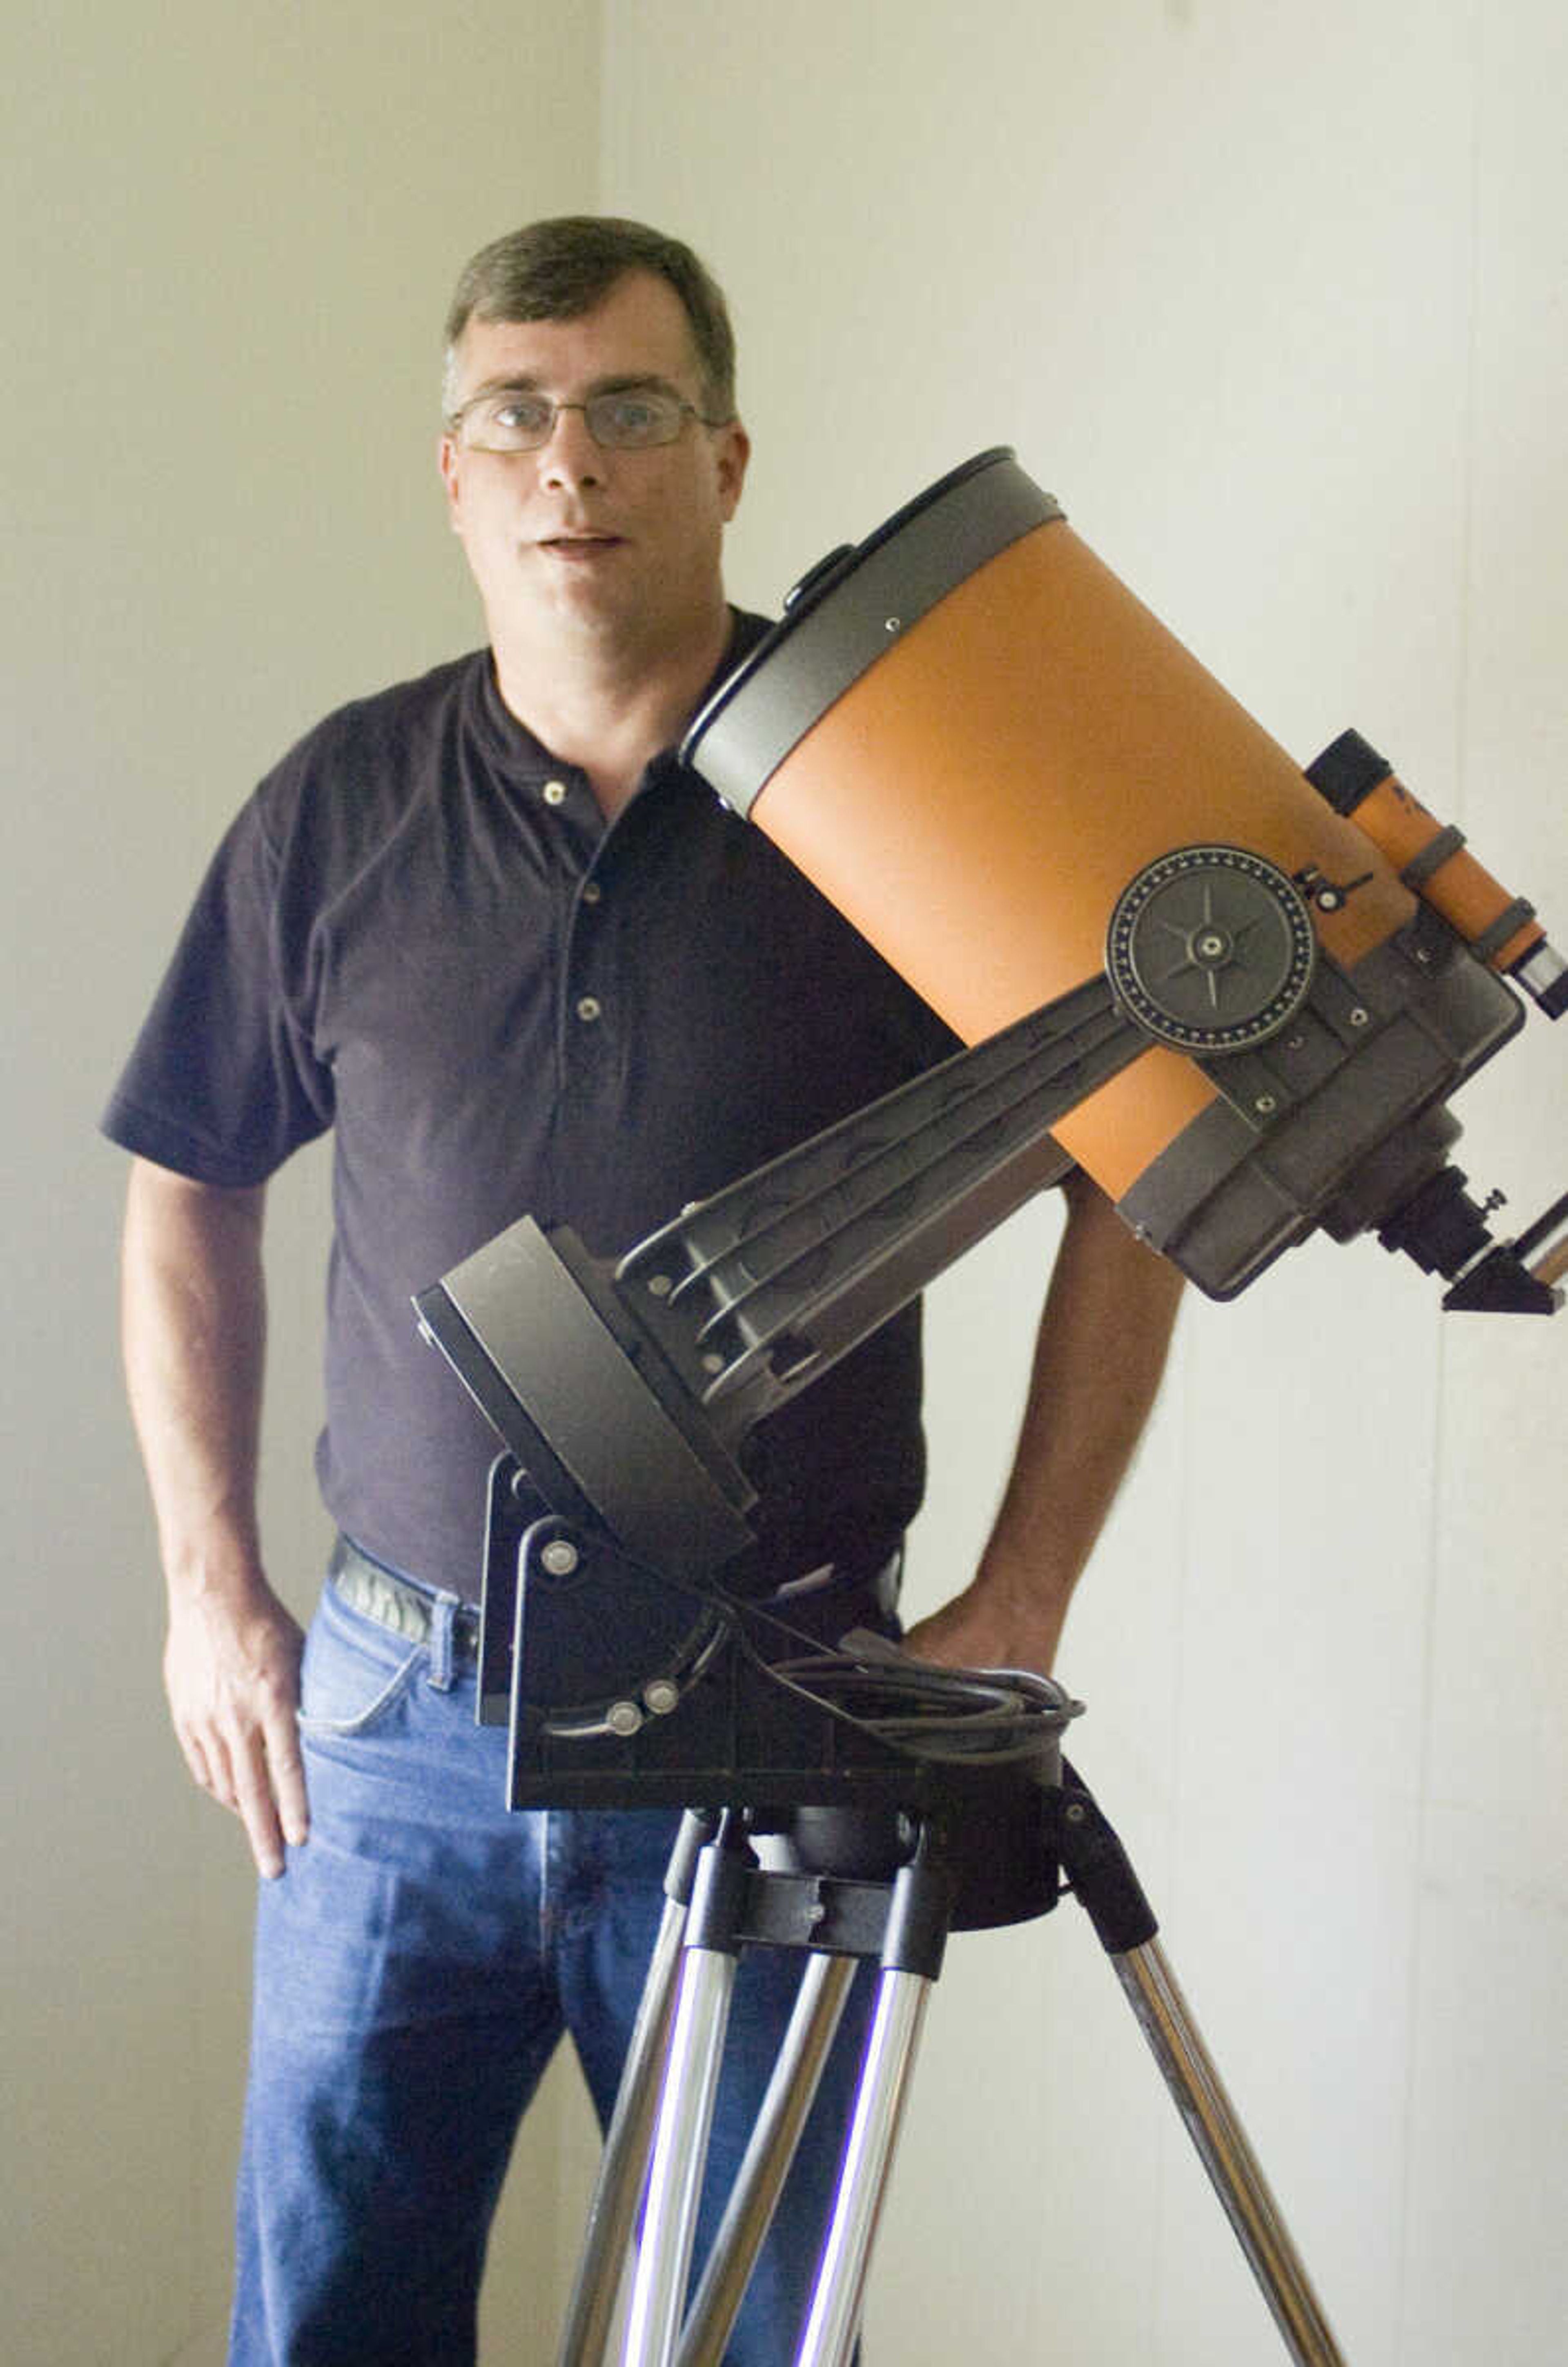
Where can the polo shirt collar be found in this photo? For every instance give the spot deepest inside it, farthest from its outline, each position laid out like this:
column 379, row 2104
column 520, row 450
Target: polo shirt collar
column 529, row 761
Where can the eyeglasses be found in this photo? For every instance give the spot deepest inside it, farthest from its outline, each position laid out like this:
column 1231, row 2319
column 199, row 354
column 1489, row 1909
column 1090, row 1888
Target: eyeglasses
column 624, row 419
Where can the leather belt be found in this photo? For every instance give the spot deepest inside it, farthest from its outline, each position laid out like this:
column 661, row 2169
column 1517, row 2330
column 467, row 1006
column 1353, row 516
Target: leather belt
column 396, row 1602
column 408, row 1609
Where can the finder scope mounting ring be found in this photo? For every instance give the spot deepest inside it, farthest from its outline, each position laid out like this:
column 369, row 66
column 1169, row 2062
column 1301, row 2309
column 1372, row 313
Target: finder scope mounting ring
column 1210, row 949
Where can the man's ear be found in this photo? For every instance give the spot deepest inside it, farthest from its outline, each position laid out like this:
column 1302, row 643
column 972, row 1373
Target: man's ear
column 446, row 460
column 734, row 452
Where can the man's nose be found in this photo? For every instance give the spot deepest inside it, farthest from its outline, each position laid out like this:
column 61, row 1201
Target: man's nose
column 571, row 456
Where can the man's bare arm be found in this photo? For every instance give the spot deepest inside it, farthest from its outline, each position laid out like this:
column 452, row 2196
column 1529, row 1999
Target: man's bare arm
column 195, row 1331
column 1098, row 1362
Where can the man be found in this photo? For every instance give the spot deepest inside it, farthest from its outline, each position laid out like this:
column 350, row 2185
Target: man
column 485, row 928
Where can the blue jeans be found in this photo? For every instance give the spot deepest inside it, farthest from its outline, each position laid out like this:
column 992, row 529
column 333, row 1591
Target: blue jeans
column 416, row 1964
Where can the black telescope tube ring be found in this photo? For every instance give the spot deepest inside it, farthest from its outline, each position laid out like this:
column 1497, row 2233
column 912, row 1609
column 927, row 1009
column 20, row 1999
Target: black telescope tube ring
column 850, row 610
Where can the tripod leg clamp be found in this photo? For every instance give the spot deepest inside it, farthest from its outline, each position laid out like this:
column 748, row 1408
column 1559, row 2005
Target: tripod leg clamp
column 1100, row 1871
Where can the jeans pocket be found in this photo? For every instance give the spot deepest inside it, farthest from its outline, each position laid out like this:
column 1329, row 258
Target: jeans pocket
column 353, row 1673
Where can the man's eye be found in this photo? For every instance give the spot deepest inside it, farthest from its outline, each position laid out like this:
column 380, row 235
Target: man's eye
column 633, row 414
column 514, row 413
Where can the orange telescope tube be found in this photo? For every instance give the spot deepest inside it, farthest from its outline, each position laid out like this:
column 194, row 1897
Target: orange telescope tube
column 977, row 743
column 976, row 799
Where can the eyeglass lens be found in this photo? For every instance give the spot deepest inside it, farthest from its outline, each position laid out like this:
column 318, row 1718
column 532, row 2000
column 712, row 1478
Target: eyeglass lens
column 624, row 419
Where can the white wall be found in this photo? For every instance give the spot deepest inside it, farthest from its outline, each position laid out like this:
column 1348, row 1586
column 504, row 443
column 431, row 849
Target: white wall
column 230, row 232
column 1272, row 297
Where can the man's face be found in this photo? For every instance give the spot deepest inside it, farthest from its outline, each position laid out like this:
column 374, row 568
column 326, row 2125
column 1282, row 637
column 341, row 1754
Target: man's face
column 574, row 543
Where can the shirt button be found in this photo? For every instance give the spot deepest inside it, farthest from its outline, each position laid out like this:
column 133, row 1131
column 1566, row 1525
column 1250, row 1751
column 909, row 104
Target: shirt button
column 589, row 1007
column 555, row 793
column 591, row 891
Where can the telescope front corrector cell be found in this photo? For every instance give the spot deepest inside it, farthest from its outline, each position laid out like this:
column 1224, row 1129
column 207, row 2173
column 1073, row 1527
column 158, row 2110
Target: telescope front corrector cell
column 1238, row 995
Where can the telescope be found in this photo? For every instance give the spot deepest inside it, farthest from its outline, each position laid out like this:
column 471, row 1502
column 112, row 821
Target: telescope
column 1241, row 996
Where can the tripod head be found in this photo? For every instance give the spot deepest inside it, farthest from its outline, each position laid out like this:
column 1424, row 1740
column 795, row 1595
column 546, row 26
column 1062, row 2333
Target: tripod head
column 628, row 1687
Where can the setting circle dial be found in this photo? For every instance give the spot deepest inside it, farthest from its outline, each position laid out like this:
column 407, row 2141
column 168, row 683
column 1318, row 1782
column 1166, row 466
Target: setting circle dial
column 1210, row 949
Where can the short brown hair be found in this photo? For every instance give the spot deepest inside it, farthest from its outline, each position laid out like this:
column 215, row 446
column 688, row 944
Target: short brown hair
column 556, row 270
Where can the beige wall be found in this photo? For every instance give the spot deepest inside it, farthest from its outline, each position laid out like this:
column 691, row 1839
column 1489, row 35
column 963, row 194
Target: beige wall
column 229, row 234
column 1272, row 298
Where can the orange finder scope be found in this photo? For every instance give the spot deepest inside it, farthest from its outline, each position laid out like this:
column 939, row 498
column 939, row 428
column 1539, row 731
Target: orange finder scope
column 1500, row 929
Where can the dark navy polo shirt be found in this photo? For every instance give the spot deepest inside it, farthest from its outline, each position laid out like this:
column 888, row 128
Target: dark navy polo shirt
column 420, row 932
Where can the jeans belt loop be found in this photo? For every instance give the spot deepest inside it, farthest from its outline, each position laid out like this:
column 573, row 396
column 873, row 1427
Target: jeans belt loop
column 443, row 1622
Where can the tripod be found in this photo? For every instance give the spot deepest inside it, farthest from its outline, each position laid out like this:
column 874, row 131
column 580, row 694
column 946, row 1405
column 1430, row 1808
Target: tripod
column 916, row 1885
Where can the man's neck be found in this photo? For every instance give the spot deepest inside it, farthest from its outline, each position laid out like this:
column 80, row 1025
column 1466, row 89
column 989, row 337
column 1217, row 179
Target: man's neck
column 609, row 710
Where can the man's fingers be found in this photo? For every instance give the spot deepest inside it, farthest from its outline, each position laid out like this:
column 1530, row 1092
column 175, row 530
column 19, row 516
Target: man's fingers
column 257, row 1773
column 286, row 1768
column 257, row 1809
column 196, row 1760
column 234, row 1686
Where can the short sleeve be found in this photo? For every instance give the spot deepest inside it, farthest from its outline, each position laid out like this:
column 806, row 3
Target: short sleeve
column 224, row 1083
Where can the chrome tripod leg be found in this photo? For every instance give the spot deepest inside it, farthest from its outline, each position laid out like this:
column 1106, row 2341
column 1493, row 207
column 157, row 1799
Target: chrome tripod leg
column 818, row 2007
column 680, row 2155
column 836, row 2304
column 1151, row 1989
column 1108, row 1891
column 623, row 2170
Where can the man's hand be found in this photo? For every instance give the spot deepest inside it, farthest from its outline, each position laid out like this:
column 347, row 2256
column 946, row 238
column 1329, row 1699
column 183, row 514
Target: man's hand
column 984, row 1627
column 233, row 1678
column 195, row 1306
